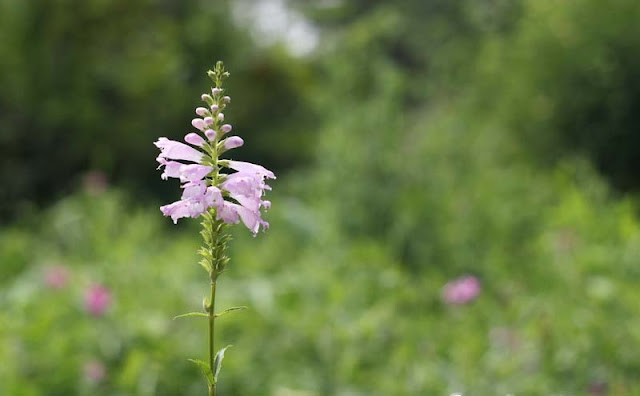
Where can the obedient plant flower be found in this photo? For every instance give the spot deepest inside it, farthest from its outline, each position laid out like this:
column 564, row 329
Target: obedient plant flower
column 234, row 196
column 221, row 191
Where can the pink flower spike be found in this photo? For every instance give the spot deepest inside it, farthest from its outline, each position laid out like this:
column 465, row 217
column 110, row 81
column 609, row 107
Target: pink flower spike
column 195, row 139
column 462, row 290
column 226, row 128
column 97, row 300
column 201, row 111
column 208, row 121
column 199, row 123
column 171, row 149
column 211, row 134
column 233, row 142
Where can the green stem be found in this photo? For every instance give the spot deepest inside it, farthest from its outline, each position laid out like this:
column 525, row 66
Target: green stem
column 212, row 352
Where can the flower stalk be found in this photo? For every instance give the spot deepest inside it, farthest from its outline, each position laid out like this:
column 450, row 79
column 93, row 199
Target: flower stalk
column 219, row 198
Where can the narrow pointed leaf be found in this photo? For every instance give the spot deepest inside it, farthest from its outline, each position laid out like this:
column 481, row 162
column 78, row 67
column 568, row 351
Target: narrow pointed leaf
column 206, row 370
column 191, row 314
column 218, row 362
column 226, row 311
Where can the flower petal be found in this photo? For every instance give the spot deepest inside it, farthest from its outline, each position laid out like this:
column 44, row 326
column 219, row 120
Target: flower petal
column 175, row 150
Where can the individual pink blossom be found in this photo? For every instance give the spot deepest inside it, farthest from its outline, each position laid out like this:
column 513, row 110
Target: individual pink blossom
column 194, row 172
column 170, row 149
column 94, row 371
column 196, row 198
column 461, row 290
column 247, row 167
column 97, row 299
column 56, row 277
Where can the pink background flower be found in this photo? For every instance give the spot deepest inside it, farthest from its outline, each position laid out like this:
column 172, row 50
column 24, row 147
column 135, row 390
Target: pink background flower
column 461, row 290
column 97, row 299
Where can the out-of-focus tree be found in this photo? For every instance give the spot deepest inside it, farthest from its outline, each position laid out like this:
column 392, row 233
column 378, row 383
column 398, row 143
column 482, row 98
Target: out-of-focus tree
column 567, row 81
column 88, row 85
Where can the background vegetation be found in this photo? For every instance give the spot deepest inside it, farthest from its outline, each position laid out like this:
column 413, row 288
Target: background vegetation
column 418, row 142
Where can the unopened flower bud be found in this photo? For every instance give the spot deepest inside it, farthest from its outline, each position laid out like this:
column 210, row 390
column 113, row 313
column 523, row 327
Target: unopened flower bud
column 208, row 120
column 214, row 108
column 221, row 117
column 201, row 111
column 226, row 128
column 198, row 123
column 195, row 139
column 216, row 91
column 233, row 142
column 206, row 98
column 227, row 99
column 211, row 134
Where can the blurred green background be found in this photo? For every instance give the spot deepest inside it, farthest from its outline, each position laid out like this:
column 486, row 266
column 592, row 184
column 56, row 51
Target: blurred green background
column 415, row 142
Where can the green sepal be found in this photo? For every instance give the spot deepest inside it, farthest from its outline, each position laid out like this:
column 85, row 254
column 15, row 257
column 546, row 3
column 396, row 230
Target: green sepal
column 205, row 369
column 218, row 362
column 226, row 311
column 191, row 314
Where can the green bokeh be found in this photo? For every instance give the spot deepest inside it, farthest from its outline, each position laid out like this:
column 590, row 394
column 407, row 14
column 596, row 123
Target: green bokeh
column 421, row 141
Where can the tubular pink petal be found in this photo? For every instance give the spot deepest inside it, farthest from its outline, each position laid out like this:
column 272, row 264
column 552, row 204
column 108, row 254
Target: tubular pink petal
column 249, row 168
column 194, row 172
column 227, row 213
column 171, row 149
column 171, row 169
column 195, row 139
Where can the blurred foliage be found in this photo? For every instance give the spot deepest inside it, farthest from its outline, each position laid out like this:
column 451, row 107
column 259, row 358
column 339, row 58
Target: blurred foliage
column 89, row 85
column 332, row 313
column 455, row 138
column 568, row 81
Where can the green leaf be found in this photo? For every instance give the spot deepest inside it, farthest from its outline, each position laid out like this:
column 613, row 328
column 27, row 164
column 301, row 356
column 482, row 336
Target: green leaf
column 218, row 362
column 191, row 314
column 206, row 370
column 226, row 311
